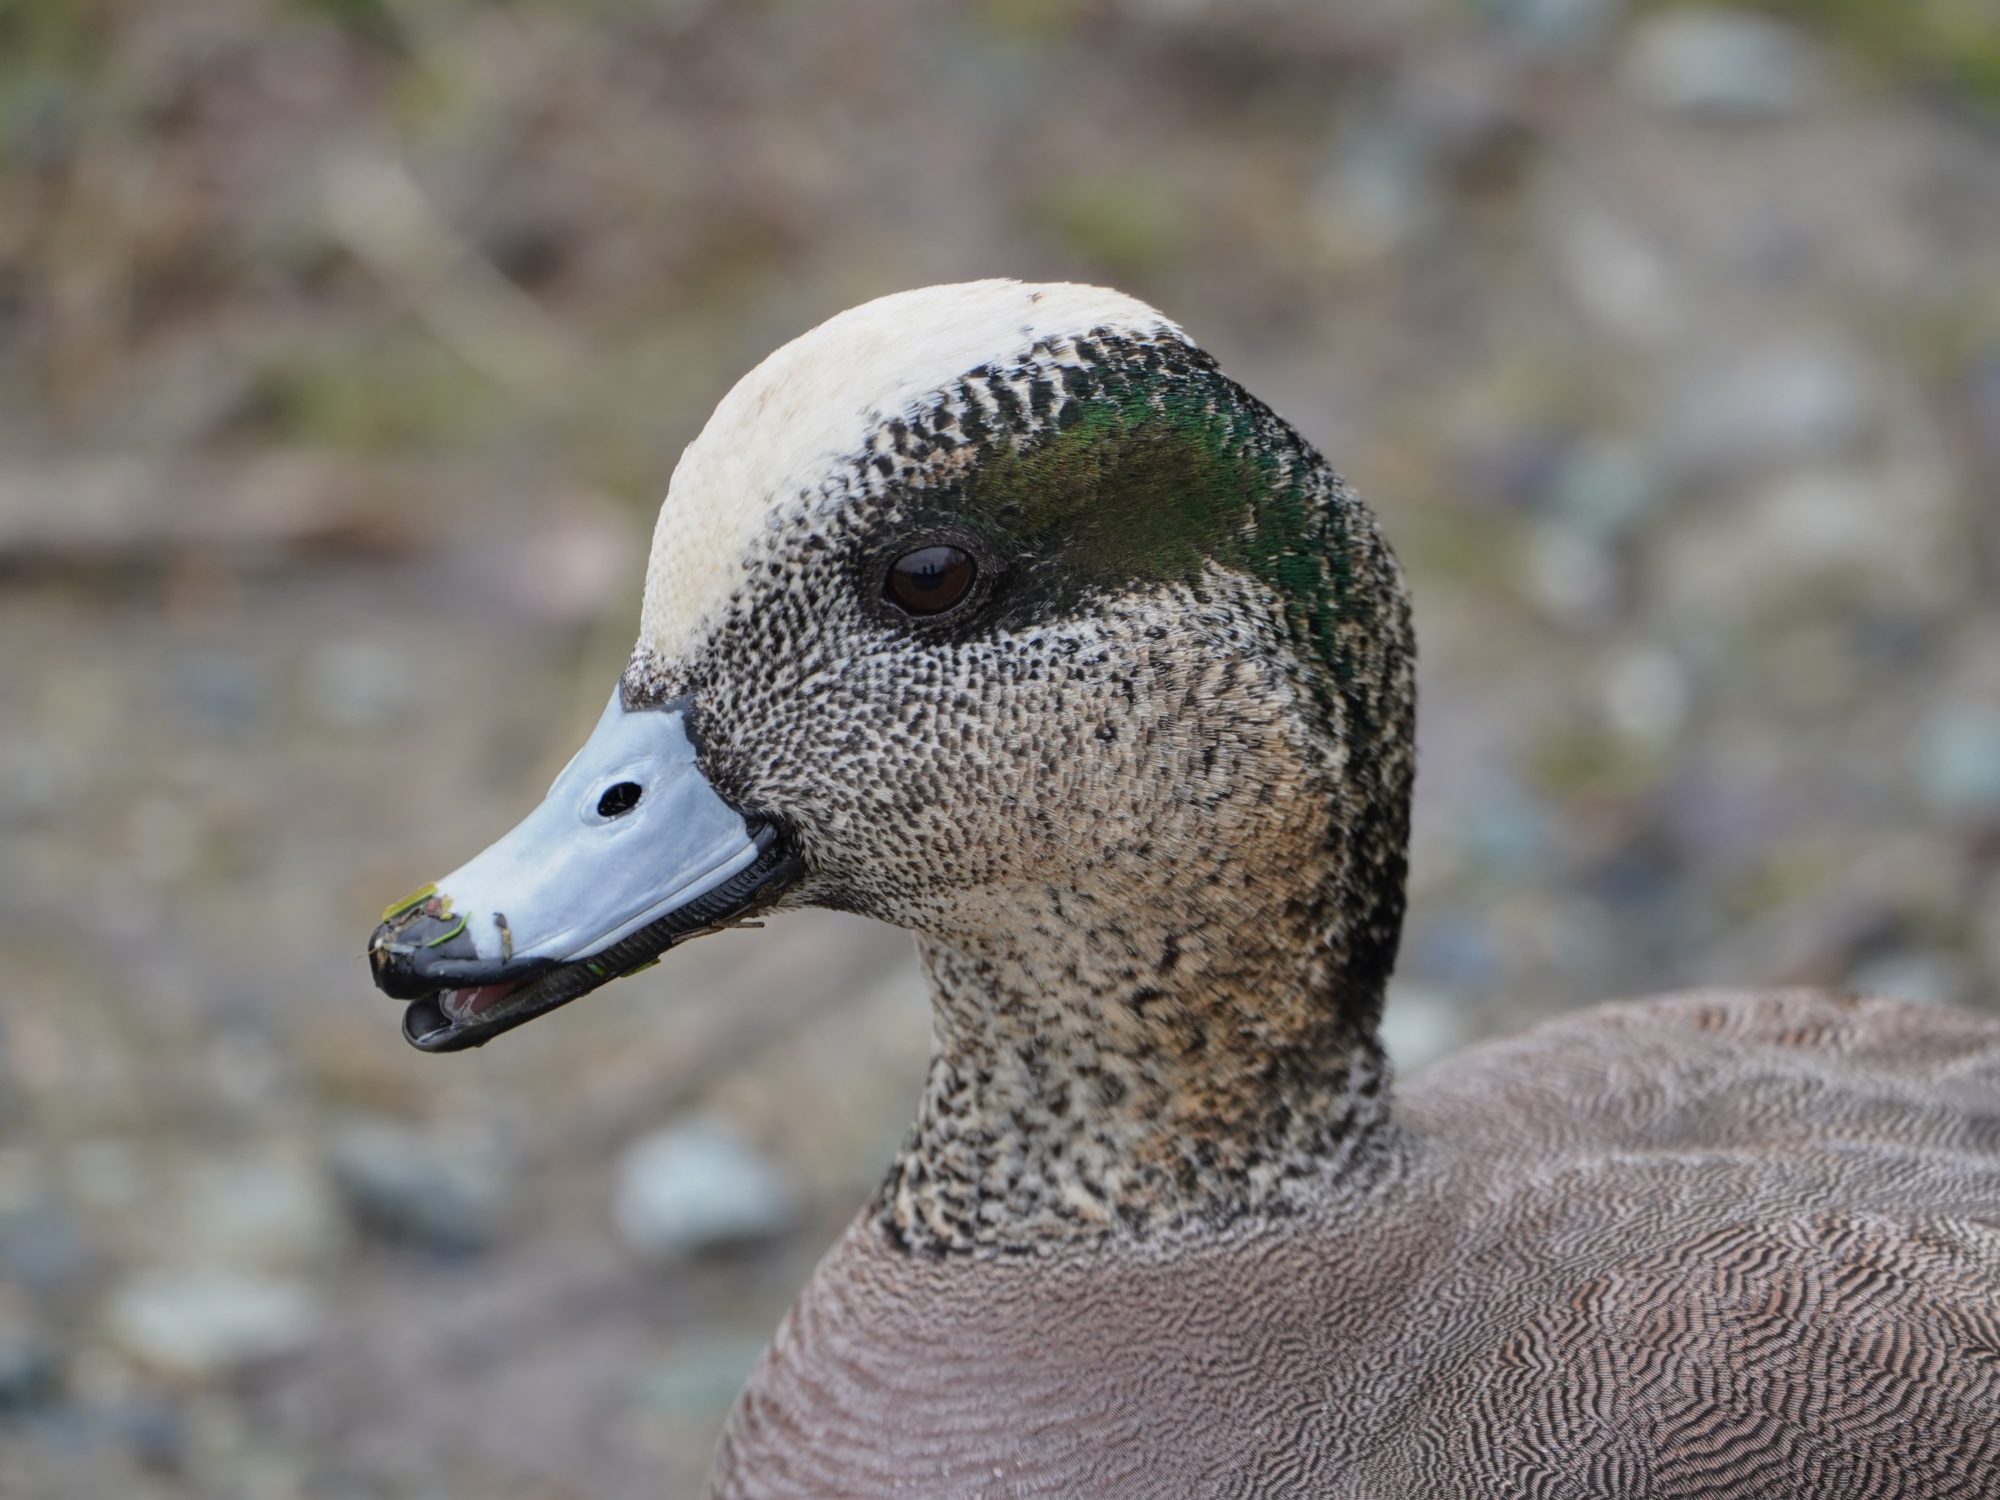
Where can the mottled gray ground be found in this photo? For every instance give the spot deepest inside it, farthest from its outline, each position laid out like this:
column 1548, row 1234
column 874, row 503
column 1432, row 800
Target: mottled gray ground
column 345, row 348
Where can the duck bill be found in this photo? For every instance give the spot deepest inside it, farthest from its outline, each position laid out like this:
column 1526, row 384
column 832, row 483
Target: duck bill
column 631, row 852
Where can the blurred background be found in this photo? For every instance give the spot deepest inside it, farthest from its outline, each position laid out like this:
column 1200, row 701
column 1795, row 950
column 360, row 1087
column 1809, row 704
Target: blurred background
column 346, row 347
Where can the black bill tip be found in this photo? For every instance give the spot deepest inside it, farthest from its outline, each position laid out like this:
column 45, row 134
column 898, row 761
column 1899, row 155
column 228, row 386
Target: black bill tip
column 544, row 986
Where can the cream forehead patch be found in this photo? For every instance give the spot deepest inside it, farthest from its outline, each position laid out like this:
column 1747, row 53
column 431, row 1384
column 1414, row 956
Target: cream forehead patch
column 811, row 407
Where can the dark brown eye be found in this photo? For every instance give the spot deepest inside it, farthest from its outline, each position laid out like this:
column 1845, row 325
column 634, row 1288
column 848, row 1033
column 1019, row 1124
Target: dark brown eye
column 929, row 580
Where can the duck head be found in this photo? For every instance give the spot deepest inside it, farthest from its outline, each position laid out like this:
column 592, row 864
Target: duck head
column 998, row 612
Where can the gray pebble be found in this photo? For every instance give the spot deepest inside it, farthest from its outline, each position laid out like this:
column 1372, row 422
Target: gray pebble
column 197, row 1323
column 1719, row 63
column 1773, row 404
column 1419, row 1026
column 1983, row 397
column 267, row 1211
column 1986, row 929
column 1554, row 27
column 701, row 1377
column 1602, row 490
column 1380, row 187
column 698, row 1186
column 30, row 1367
column 1906, row 974
column 1958, row 761
column 359, row 684
column 452, row 1196
column 153, row 1431
column 42, row 1247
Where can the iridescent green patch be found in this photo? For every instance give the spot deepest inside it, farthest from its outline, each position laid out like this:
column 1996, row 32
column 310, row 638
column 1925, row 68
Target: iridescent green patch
column 1152, row 470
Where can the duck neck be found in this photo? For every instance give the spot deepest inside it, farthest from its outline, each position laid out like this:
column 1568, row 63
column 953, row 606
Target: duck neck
column 1096, row 1075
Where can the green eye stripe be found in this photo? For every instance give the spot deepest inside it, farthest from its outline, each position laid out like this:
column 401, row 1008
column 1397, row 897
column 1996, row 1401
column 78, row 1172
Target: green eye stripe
column 1147, row 480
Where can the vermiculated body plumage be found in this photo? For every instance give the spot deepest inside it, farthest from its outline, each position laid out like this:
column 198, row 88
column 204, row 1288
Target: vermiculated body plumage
column 1709, row 1247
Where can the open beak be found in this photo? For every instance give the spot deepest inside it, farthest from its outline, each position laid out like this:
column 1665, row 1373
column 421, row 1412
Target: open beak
column 631, row 852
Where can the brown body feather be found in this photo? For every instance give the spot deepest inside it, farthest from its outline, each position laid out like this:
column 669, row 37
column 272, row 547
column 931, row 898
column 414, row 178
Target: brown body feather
column 1717, row 1245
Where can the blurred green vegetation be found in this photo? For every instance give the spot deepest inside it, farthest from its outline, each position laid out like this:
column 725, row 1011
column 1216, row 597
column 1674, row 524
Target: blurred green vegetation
column 45, row 31
column 391, row 395
column 1954, row 43
column 1129, row 224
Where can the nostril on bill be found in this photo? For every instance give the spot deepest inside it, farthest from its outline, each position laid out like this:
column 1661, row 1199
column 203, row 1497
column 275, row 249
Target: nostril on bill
column 619, row 800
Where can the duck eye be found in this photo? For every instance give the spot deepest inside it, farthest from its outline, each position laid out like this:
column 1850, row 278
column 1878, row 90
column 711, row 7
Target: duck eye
column 619, row 800
column 930, row 580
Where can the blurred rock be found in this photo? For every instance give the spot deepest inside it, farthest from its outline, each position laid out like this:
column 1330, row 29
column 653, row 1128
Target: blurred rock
column 589, row 551
column 165, row 840
column 1467, row 105
column 360, row 684
column 1507, row 462
column 1726, row 413
column 107, row 1175
column 1719, row 63
column 1602, row 489
column 200, row 1323
column 701, row 1377
column 1986, row 930
column 1555, row 27
column 1172, row 11
column 31, row 775
column 1421, row 1025
column 1506, row 830
column 1611, row 268
column 1721, row 815
column 1983, row 398
column 42, row 1247
column 1646, row 694
column 1927, row 977
column 1886, row 540
column 1380, row 190
column 153, row 1431
column 1403, row 149
column 1575, row 578
column 226, row 691
column 696, row 1187
column 440, row 1193
column 257, row 1211
column 1958, row 760
column 139, row 513
column 1455, row 947
column 30, row 1366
